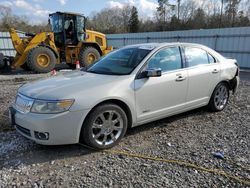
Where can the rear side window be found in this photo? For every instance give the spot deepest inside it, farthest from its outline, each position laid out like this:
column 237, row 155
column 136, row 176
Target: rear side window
column 211, row 59
column 196, row 56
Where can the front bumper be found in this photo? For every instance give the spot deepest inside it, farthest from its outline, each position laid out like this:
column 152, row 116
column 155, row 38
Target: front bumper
column 62, row 128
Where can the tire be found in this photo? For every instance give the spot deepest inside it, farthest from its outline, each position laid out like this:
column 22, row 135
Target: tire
column 25, row 67
column 99, row 134
column 88, row 55
column 219, row 98
column 2, row 60
column 41, row 59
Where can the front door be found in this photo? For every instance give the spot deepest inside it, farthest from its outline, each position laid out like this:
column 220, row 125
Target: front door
column 158, row 97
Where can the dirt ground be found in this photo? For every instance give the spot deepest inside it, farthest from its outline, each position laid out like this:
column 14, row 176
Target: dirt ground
column 192, row 137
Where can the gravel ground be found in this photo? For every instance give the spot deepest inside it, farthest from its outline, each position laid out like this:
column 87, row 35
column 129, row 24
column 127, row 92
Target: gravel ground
column 191, row 137
column 9, row 85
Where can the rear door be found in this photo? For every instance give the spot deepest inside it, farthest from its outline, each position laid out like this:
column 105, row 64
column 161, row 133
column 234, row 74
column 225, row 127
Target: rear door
column 159, row 96
column 203, row 73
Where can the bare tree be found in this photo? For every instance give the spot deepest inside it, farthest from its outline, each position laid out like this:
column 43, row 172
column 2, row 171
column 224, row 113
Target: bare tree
column 6, row 17
column 111, row 20
column 232, row 10
column 125, row 15
column 187, row 9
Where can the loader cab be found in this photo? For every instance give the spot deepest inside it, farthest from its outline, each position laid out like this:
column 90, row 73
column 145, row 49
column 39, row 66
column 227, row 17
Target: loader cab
column 68, row 28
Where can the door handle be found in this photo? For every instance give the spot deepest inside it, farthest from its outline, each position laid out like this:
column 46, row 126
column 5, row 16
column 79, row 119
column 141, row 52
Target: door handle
column 215, row 71
column 180, row 78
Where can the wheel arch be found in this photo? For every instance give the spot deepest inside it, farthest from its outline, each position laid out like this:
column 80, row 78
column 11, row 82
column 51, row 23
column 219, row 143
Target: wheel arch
column 225, row 82
column 210, row 104
column 222, row 81
column 117, row 102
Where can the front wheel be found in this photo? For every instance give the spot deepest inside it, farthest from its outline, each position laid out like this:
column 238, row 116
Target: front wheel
column 219, row 98
column 41, row 59
column 104, row 127
column 88, row 55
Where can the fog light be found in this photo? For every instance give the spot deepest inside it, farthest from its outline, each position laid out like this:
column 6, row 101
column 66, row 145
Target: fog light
column 42, row 135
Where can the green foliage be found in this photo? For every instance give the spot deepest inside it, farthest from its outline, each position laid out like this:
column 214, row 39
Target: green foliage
column 133, row 20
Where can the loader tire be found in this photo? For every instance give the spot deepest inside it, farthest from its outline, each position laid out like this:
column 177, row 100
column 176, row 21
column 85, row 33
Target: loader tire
column 25, row 67
column 41, row 59
column 2, row 63
column 88, row 55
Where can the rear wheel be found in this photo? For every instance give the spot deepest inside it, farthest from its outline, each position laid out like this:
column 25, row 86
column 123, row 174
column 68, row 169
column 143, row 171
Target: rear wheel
column 41, row 59
column 219, row 98
column 88, row 55
column 104, row 127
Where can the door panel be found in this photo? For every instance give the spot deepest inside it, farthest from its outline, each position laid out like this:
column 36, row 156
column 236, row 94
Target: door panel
column 202, row 81
column 203, row 76
column 159, row 96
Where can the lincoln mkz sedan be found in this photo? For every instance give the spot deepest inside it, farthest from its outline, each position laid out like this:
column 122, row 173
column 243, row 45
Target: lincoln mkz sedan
column 128, row 87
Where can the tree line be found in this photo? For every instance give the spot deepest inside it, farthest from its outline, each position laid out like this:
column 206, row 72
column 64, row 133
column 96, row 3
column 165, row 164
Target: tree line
column 182, row 15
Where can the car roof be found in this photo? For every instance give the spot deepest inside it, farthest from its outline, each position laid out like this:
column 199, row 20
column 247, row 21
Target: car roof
column 157, row 45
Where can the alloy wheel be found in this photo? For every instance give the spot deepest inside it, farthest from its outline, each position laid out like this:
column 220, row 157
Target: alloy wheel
column 107, row 127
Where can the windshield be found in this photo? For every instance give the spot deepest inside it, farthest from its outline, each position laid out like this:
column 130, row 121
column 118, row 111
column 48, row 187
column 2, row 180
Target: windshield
column 56, row 23
column 120, row 62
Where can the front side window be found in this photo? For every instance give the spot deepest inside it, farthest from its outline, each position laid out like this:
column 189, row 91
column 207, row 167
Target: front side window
column 56, row 23
column 120, row 62
column 167, row 59
column 196, row 56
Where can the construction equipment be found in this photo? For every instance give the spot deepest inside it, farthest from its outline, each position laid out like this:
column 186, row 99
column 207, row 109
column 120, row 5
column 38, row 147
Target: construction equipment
column 68, row 42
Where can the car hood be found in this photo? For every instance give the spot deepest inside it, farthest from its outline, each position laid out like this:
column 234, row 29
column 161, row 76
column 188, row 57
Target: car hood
column 67, row 85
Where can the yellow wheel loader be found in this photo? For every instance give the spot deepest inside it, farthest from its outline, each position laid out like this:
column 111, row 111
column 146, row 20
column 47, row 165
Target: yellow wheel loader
column 68, row 42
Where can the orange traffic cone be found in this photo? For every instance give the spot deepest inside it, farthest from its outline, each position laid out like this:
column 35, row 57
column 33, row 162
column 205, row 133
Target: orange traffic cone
column 53, row 72
column 78, row 65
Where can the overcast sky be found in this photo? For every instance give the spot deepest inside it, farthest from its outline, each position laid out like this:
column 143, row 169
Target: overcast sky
column 38, row 10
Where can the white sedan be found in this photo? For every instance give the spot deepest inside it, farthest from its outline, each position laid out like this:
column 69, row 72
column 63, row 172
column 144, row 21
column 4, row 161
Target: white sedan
column 128, row 87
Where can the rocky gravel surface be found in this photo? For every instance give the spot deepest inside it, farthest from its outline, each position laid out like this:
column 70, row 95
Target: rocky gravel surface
column 191, row 137
column 9, row 85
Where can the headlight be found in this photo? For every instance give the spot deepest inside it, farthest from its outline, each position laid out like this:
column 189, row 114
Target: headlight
column 47, row 107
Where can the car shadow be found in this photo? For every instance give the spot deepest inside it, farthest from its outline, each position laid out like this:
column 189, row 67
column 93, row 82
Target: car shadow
column 166, row 121
column 38, row 154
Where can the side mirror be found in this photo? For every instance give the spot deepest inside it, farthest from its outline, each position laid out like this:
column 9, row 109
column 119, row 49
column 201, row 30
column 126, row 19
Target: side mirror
column 151, row 73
